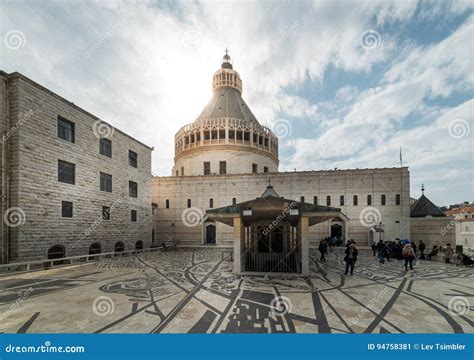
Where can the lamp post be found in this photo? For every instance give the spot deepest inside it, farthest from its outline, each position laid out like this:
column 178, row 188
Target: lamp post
column 379, row 229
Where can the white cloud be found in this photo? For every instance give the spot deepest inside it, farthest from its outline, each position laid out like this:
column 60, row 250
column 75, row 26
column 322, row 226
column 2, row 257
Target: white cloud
column 130, row 63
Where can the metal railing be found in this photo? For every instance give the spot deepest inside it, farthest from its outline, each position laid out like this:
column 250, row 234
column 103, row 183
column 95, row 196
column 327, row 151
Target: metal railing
column 271, row 262
column 68, row 261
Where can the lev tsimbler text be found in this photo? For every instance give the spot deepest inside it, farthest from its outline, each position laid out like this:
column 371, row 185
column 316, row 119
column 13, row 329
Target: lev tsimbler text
column 421, row 346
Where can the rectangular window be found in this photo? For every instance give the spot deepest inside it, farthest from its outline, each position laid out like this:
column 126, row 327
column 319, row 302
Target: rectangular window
column 105, row 213
column 152, row 235
column 167, row 204
column 222, row 167
column 341, row 200
column 207, row 168
column 254, row 168
column 369, row 199
column 382, row 200
column 132, row 158
column 234, row 201
column 132, row 189
column 189, row 203
column 211, row 203
column 265, row 169
column 66, row 172
column 65, row 129
column 105, row 147
column 105, row 182
column 328, row 200
column 397, row 199
column 355, row 200
column 302, row 199
column 66, row 209
column 315, row 200
column 133, row 215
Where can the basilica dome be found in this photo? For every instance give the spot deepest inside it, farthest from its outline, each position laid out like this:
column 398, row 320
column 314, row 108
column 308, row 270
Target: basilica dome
column 226, row 138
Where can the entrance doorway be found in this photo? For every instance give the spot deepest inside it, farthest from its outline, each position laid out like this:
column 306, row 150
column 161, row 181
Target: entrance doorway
column 210, row 234
column 336, row 231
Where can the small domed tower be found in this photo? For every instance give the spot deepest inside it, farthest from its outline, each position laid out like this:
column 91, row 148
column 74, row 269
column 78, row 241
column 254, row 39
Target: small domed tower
column 226, row 138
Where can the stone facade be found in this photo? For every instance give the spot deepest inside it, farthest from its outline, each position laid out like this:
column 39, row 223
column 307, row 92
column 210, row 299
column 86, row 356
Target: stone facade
column 29, row 120
column 292, row 185
column 434, row 231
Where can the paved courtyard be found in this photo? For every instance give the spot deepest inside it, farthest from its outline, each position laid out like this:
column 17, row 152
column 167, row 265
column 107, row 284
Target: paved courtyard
column 194, row 291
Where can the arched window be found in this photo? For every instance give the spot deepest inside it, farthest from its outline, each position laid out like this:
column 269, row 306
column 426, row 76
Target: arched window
column 234, row 201
column 95, row 248
column 119, row 246
column 211, row 203
column 341, row 200
column 382, row 200
column 189, row 203
column 302, row 199
column 315, row 200
column 328, row 200
column 56, row 252
column 167, row 204
column 139, row 245
column 355, row 200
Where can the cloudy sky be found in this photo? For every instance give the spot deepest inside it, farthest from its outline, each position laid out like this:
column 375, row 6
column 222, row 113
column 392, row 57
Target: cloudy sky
column 343, row 83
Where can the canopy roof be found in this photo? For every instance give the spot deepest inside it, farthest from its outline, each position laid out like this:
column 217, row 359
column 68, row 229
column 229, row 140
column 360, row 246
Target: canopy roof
column 270, row 206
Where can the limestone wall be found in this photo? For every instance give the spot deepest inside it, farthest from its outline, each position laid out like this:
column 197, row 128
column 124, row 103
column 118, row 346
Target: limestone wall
column 292, row 185
column 35, row 188
column 433, row 231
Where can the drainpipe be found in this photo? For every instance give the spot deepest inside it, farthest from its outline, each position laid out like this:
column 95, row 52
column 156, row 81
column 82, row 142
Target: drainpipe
column 4, row 228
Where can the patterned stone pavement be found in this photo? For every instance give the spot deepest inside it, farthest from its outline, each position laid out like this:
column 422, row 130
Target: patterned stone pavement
column 194, row 291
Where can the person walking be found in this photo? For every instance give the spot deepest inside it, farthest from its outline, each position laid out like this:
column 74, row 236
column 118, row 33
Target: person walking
column 387, row 251
column 421, row 248
column 409, row 256
column 448, row 253
column 413, row 245
column 374, row 249
column 351, row 258
column 381, row 251
column 323, row 249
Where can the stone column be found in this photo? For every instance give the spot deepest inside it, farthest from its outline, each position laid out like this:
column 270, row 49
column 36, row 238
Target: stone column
column 238, row 244
column 302, row 243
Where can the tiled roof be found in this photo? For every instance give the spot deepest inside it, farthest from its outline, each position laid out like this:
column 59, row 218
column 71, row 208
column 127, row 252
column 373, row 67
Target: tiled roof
column 459, row 210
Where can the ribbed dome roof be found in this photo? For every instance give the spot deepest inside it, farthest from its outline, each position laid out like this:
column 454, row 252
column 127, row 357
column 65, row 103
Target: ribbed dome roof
column 226, row 102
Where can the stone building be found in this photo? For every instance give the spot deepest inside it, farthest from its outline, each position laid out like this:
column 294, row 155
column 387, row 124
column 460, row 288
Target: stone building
column 430, row 224
column 225, row 157
column 463, row 223
column 71, row 184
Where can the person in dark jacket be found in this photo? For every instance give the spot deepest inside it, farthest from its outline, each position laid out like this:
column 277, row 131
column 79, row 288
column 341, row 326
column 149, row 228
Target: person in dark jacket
column 381, row 251
column 323, row 249
column 374, row 249
column 350, row 258
column 421, row 248
column 387, row 251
